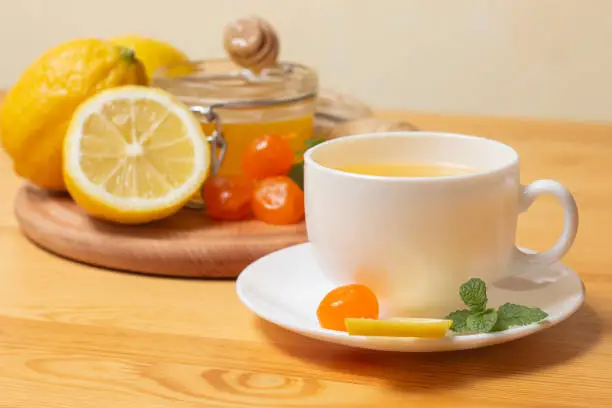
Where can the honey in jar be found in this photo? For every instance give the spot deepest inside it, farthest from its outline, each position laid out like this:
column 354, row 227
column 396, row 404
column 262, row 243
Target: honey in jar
column 279, row 100
column 296, row 129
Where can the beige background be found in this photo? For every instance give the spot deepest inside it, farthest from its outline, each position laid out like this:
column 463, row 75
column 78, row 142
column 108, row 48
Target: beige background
column 542, row 58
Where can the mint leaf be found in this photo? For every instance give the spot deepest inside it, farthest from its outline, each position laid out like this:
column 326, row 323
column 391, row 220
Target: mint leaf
column 477, row 318
column 474, row 294
column 459, row 318
column 296, row 173
column 482, row 322
column 516, row 315
column 312, row 142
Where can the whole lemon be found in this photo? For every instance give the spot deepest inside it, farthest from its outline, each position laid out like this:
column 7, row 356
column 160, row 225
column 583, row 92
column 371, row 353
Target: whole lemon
column 36, row 112
column 155, row 54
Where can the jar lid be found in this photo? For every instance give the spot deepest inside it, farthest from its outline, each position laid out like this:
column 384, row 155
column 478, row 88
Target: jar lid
column 221, row 82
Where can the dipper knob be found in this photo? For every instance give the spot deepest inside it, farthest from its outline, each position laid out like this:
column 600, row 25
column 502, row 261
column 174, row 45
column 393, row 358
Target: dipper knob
column 251, row 42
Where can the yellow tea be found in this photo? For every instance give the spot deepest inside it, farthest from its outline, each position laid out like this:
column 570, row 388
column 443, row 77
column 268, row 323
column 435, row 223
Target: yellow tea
column 407, row 169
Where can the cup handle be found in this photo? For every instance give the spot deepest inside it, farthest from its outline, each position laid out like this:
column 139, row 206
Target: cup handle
column 570, row 222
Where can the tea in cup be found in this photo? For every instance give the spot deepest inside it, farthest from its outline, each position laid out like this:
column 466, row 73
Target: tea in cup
column 413, row 215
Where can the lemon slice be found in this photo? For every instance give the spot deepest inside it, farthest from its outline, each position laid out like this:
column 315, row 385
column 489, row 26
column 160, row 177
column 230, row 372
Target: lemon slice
column 398, row 327
column 134, row 154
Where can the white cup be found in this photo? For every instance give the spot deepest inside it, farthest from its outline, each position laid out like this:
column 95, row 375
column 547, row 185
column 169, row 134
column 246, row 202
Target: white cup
column 415, row 240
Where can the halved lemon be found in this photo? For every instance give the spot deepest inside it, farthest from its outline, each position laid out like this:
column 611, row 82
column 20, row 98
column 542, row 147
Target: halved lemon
column 398, row 327
column 134, row 154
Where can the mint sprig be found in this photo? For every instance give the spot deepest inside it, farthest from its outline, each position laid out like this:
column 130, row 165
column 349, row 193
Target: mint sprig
column 478, row 319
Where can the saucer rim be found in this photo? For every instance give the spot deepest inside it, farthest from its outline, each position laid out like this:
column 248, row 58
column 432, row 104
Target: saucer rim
column 458, row 342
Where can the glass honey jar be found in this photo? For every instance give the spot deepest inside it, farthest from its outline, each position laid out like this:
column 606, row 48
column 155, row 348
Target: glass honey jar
column 242, row 105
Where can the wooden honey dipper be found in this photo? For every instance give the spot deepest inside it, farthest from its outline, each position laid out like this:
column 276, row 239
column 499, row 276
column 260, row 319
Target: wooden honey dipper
column 251, row 42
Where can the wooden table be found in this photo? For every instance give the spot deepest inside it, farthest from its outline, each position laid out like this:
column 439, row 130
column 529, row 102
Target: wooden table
column 77, row 336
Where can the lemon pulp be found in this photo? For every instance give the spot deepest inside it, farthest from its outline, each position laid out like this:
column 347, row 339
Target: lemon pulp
column 134, row 154
column 398, row 327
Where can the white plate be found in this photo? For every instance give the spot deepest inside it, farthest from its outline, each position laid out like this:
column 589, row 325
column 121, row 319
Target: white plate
column 286, row 286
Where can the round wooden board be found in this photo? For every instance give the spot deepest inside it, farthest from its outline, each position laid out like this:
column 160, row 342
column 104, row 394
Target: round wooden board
column 187, row 244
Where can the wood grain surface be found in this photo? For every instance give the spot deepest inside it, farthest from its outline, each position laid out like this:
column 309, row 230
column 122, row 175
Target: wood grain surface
column 72, row 335
column 188, row 244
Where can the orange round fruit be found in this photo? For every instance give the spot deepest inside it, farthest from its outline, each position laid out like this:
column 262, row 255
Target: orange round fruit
column 267, row 156
column 355, row 300
column 228, row 197
column 278, row 200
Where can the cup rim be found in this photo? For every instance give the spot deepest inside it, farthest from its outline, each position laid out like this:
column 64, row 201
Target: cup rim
column 308, row 159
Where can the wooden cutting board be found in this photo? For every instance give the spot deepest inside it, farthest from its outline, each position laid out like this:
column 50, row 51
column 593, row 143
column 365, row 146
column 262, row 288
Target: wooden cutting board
column 187, row 244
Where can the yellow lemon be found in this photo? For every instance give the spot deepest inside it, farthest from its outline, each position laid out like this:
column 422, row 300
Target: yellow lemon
column 36, row 111
column 155, row 54
column 134, row 154
column 398, row 327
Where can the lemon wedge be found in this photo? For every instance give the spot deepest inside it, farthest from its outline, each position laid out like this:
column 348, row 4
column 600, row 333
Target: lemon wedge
column 398, row 327
column 134, row 154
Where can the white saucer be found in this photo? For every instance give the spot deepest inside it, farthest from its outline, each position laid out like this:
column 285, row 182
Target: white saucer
column 286, row 286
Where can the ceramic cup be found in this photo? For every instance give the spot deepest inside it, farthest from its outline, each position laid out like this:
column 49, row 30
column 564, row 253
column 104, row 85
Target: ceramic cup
column 414, row 241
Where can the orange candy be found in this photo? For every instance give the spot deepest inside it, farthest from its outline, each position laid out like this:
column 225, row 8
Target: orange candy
column 228, row 197
column 267, row 156
column 278, row 200
column 354, row 300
